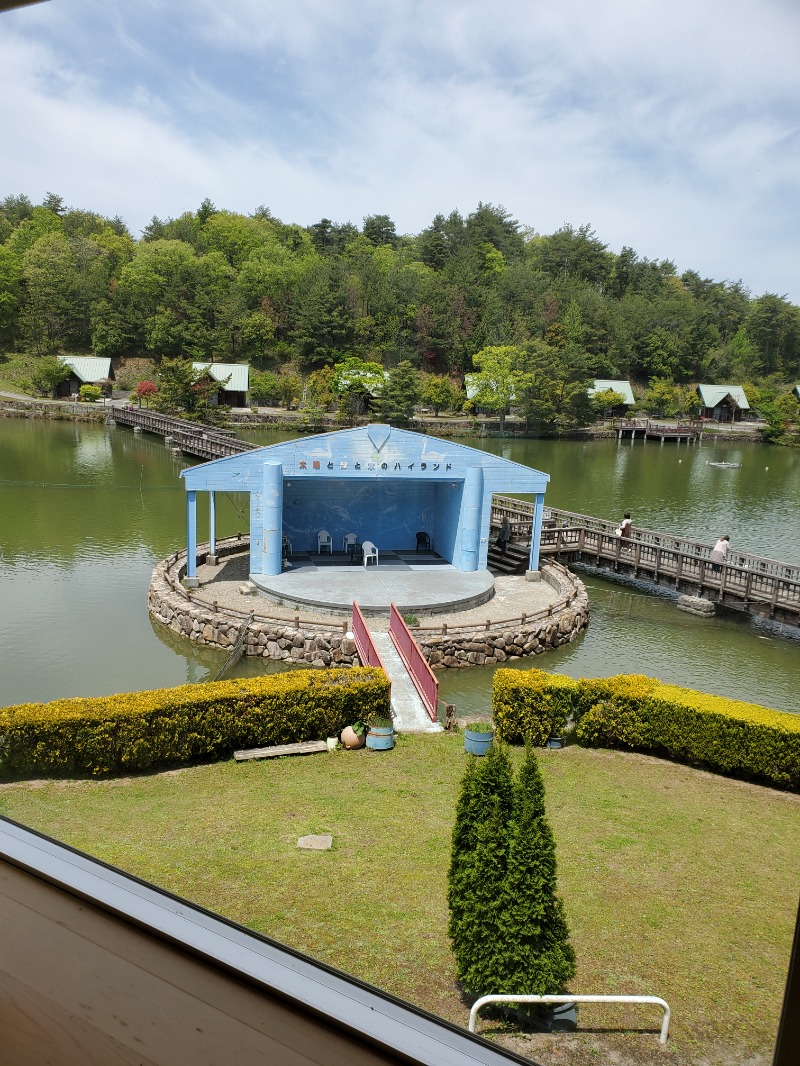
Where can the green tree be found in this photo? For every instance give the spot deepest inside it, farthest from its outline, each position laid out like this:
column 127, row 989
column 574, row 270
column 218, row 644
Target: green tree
column 441, row 394
column 356, row 385
column 606, row 400
column 263, row 386
column 497, row 378
column 182, row 393
column 399, row 395
column 45, row 375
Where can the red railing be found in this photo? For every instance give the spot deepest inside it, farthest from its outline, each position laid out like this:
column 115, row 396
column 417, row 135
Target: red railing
column 367, row 652
column 425, row 681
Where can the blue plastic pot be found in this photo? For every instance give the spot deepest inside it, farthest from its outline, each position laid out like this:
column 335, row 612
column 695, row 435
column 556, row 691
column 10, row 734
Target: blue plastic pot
column 380, row 737
column 477, row 743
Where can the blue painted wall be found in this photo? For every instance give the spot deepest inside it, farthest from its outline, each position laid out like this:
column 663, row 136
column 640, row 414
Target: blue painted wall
column 387, row 514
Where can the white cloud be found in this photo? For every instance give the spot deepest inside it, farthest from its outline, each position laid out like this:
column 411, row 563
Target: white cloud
column 671, row 128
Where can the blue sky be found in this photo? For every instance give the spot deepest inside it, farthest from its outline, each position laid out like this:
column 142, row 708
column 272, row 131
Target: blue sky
column 671, row 126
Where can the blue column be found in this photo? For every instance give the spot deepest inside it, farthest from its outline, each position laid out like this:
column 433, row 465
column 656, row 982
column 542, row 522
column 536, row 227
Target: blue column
column 536, row 531
column 271, row 520
column 212, row 524
column 191, row 538
column 471, row 508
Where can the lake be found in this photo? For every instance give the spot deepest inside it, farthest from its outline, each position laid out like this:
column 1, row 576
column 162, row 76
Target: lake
column 87, row 511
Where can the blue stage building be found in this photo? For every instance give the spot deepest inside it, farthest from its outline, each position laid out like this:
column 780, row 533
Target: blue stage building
column 383, row 486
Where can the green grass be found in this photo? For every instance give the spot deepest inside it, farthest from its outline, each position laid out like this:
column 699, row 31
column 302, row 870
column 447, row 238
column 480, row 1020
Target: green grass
column 677, row 883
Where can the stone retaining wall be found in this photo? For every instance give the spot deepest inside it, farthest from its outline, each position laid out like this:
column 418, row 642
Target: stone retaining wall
column 516, row 638
column 314, row 643
column 292, row 641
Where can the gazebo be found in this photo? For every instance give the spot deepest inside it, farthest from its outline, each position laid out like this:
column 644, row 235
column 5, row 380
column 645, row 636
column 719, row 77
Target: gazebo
column 386, row 485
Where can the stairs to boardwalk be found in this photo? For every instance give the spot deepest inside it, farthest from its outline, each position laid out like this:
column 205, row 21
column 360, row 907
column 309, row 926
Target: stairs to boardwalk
column 515, row 560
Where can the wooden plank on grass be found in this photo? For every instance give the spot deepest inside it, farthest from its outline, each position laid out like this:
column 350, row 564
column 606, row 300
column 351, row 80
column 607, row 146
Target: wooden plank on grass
column 305, row 747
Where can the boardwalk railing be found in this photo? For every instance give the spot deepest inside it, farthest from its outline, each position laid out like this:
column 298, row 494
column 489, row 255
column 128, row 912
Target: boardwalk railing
column 425, row 681
column 744, row 580
column 206, row 442
column 367, row 652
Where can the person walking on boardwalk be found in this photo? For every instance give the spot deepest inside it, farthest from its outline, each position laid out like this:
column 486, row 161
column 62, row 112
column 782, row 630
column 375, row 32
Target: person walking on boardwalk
column 504, row 536
column 626, row 526
column 720, row 553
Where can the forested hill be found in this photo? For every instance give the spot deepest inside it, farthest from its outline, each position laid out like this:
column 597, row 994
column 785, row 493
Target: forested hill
column 213, row 284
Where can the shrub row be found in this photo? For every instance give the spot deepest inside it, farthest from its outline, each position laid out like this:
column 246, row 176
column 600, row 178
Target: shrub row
column 639, row 713
column 167, row 727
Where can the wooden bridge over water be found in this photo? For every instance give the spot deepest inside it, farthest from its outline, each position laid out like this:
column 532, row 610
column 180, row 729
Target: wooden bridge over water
column 745, row 582
column 194, row 438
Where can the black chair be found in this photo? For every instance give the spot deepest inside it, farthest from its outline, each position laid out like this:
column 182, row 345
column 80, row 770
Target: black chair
column 423, row 542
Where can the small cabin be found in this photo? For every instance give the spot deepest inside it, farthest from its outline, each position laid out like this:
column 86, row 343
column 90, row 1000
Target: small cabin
column 234, row 382
column 722, row 403
column 85, row 370
column 622, row 387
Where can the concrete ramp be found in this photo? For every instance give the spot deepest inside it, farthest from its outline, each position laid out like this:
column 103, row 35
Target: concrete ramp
column 408, row 710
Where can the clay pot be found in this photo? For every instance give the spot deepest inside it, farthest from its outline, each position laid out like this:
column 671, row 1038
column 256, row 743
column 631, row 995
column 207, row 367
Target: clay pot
column 351, row 739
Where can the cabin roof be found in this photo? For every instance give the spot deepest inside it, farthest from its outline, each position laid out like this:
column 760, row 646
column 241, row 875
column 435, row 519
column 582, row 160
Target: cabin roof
column 88, row 368
column 239, row 374
column 621, row 386
column 712, row 395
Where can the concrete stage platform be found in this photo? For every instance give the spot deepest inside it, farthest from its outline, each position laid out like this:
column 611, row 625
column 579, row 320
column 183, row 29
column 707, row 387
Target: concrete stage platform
column 413, row 581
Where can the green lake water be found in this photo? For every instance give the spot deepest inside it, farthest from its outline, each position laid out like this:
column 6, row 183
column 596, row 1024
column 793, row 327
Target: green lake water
column 86, row 511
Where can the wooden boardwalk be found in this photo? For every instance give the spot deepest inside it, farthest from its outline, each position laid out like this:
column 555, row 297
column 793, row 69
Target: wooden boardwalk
column 690, row 432
column 761, row 586
column 194, row 438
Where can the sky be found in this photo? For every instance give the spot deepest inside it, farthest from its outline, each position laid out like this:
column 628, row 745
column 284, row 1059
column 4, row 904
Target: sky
column 669, row 126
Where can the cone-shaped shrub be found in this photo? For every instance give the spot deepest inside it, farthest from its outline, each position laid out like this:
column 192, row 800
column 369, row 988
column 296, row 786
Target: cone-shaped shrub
column 507, row 925
column 478, row 863
column 539, row 956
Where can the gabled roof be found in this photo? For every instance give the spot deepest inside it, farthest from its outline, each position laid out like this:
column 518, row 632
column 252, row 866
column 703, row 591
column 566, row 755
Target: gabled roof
column 712, row 395
column 376, row 452
column 88, row 368
column 621, row 386
column 239, row 374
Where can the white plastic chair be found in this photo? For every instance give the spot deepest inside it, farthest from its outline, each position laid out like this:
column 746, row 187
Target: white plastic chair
column 370, row 552
column 324, row 541
column 348, row 540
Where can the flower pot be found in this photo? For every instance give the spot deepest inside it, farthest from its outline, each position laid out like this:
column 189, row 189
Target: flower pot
column 351, row 739
column 477, row 743
column 555, row 742
column 380, row 737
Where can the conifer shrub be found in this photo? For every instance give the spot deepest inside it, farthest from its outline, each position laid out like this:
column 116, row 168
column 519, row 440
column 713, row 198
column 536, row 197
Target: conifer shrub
column 148, row 730
column 507, row 926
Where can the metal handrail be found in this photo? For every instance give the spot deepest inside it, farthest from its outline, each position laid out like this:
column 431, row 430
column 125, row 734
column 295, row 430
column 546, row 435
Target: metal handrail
column 425, row 681
column 662, row 1039
column 365, row 646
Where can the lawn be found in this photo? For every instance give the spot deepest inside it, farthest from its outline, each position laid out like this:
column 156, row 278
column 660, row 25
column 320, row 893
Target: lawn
column 677, row 883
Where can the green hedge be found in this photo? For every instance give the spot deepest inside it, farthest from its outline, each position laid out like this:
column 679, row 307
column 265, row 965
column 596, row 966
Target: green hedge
column 639, row 713
column 167, row 727
column 531, row 705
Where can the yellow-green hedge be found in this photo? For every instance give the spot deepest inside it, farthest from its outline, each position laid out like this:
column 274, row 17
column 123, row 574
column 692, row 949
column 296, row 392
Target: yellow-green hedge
column 138, row 731
column 531, row 705
column 639, row 713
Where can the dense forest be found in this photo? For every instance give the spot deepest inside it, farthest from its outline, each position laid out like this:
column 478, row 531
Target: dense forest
column 453, row 299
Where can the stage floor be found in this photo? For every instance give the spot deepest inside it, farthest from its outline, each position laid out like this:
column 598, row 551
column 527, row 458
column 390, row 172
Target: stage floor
column 413, row 581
